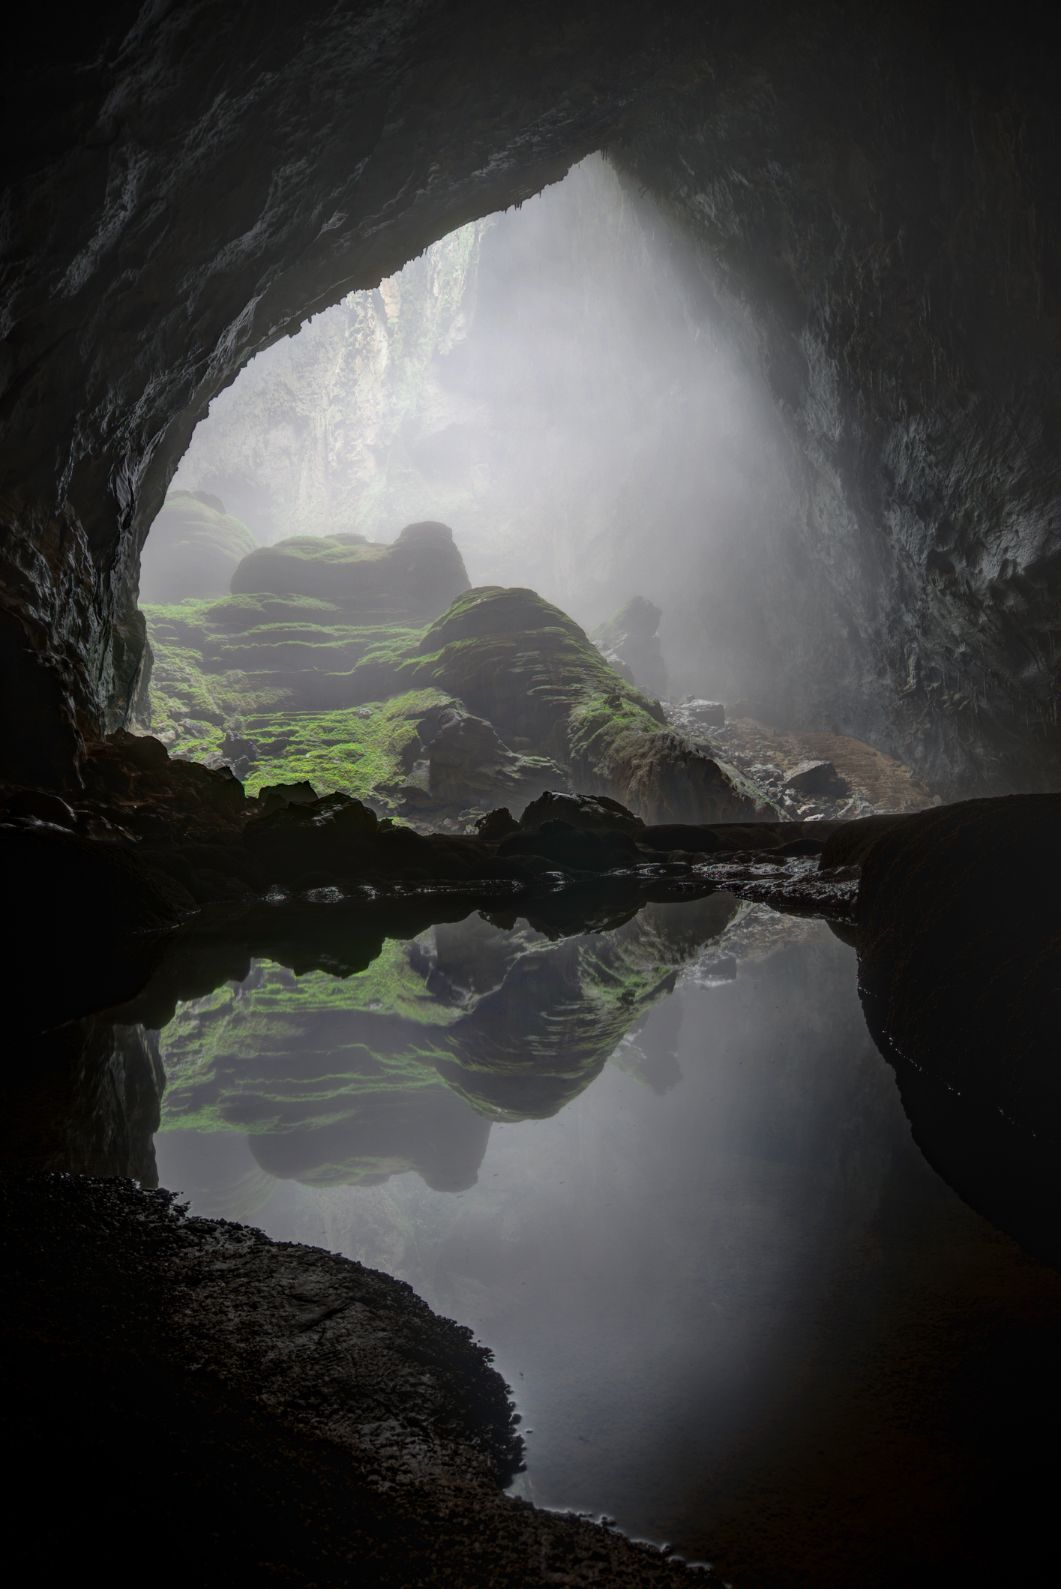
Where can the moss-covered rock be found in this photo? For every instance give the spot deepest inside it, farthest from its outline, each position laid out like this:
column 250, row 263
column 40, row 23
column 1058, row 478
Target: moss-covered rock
column 527, row 667
column 412, row 580
column 498, row 699
column 193, row 549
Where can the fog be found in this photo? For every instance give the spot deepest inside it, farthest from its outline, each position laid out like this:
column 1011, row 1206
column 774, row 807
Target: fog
column 553, row 383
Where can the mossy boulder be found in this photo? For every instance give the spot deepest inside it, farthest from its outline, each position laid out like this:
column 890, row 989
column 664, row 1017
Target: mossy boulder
column 498, row 699
column 528, row 668
column 193, row 549
column 410, row 581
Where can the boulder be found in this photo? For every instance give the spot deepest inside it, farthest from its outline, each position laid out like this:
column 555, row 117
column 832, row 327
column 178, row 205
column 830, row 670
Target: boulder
column 694, row 716
column 629, row 641
column 587, row 813
column 193, row 549
column 817, row 778
column 276, row 796
column 410, row 581
column 496, row 825
column 469, row 762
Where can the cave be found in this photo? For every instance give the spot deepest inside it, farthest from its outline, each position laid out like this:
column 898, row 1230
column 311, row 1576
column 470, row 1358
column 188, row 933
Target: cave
column 673, row 1009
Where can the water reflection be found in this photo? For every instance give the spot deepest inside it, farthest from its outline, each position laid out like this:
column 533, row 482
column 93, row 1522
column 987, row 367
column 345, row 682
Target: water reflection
column 405, row 1066
column 650, row 1156
column 662, row 1170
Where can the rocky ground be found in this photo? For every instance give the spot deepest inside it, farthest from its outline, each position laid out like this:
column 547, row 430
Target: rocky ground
column 807, row 774
column 236, row 1410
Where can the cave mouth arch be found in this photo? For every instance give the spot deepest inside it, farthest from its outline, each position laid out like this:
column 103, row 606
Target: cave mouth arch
column 552, row 385
column 550, row 382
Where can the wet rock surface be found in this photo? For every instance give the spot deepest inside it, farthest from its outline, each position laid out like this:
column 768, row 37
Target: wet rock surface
column 317, row 1421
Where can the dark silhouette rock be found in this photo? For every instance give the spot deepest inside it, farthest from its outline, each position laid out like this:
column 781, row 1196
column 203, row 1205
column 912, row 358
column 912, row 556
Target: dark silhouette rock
column 630, row 642
column 959, row 947
column 816, row 778
column 587, row 813
column 573, row 849
column 277, row 796
column 496, row 825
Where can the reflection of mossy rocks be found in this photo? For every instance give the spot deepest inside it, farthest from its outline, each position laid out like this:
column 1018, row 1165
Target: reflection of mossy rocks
column 402, row 1066
column 193, row 549
column 333, row 1081
column 414, row 579
column 630, row 642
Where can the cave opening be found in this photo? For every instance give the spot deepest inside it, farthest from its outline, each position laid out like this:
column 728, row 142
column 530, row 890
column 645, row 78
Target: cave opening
column 422, row 937
column 556, row 385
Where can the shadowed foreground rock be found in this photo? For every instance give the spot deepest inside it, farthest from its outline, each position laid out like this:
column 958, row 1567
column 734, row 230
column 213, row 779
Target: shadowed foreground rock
column 257, row 1413
column 959, row 954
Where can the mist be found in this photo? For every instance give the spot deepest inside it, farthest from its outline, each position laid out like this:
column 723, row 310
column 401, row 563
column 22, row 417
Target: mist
column 553, row 383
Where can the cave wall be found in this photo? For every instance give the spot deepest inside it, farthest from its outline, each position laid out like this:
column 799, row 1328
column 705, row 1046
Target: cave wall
column 874, row 197
column 327, row 432
column 875, row 200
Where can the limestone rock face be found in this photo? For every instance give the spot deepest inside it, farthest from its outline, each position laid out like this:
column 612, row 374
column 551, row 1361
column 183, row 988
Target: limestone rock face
column 193, row 549
column 414, row 579
column 630, row 642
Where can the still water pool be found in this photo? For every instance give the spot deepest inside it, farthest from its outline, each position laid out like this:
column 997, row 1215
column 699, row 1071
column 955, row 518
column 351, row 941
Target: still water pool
column 664, row 1173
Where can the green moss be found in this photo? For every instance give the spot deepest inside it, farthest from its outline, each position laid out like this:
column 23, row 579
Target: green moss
column 362, row 751
column 336, row 702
